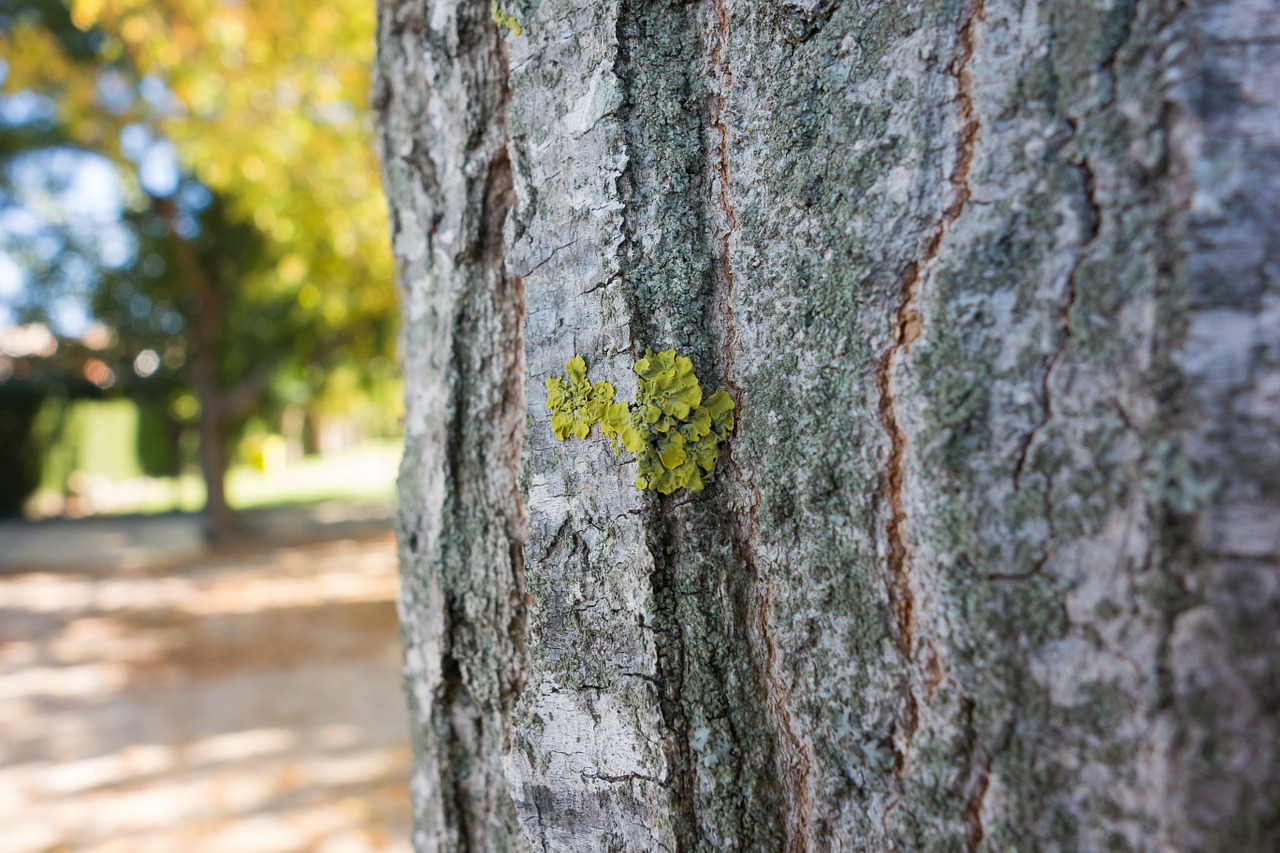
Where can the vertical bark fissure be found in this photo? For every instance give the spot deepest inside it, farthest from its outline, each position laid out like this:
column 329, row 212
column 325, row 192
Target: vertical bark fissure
column 705, row 608
column 1091, row 229
column 668, row 634
column 973, row 811
column 1046, row 394
column 451, row 695
column 970, row 125
column 795, row 761
column 1173, row 549
column 455, row 703
column 907, row 326
column 509, row 350
column 900, row 597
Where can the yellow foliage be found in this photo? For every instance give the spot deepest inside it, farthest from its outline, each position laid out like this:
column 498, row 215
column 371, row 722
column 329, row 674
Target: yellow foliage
column 270, row 109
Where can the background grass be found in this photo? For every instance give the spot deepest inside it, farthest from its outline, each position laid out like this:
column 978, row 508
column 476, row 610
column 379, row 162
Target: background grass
column 364, row 474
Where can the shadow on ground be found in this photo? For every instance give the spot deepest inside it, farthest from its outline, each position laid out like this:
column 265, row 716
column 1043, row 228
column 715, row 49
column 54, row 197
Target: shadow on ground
column 166, row 700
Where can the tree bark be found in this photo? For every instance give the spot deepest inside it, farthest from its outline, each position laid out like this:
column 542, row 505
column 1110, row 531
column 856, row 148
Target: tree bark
column 442, row 94
column 992, row 559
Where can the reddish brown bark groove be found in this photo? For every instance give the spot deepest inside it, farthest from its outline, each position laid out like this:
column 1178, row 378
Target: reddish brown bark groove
column 907, row 326
column 906, row 329
column 901, row 599
column 970, row 126
column 797, row 764
column 973, row 811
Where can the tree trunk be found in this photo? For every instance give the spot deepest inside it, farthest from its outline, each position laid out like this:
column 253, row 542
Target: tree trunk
column 219, row 519
column 206, row 343
column 992, row 559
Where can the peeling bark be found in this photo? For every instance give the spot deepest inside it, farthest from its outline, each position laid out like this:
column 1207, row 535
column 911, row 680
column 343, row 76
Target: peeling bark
column 991, row 559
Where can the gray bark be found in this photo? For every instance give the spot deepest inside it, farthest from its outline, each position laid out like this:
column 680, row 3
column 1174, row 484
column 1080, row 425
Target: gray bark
column 992, row 559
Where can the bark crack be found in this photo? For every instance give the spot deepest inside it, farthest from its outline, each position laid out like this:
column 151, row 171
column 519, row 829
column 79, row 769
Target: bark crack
column 975, row 831
column 907, row 326
column 1091, row 229
column 1064, row 321
column 625, row 777
column 977, row 761
column 670, row 650
column 797, row 766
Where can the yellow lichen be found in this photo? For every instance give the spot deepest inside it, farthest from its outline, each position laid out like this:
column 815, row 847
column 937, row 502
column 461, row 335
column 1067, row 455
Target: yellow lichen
column 504, row 19
column 674, row 432
column 575, row 403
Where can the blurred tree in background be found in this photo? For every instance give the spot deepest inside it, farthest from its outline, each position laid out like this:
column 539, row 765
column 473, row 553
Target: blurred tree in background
column 247, row 264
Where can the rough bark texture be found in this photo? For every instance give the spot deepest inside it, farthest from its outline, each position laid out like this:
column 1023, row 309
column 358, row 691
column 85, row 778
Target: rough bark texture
column 441, row 90
column 993, row 559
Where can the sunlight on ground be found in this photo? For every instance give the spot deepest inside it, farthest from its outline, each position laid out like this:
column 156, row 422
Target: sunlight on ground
column 243, row 702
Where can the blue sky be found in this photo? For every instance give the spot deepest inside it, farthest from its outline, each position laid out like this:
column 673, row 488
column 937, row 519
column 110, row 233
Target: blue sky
column 80, row 195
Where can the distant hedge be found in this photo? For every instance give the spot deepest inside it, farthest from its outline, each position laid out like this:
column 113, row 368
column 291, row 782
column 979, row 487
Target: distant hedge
column 19, row 457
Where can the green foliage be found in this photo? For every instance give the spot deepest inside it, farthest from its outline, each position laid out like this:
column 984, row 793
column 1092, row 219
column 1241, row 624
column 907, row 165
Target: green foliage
column 159, row 439
column 265, row 104
column 245, row 242
column 674, row 432
column 97, row 437
column 19, row 405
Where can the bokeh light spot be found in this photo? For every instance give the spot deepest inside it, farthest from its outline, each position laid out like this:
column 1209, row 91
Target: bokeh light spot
column 146, row 363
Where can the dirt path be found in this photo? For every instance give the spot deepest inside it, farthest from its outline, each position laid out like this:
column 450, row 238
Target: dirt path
column 246, row 702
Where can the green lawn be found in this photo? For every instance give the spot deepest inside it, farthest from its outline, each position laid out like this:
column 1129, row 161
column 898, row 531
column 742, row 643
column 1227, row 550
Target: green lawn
column 364, row 474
